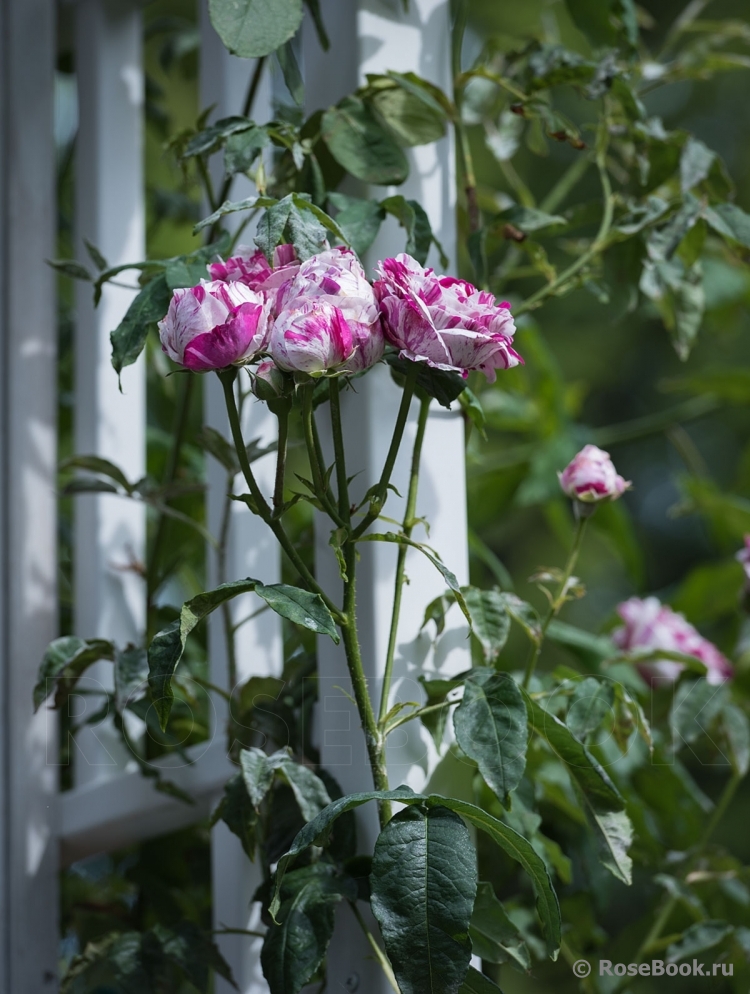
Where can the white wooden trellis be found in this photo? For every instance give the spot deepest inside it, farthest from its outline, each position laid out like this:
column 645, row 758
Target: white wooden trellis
column 111, row 804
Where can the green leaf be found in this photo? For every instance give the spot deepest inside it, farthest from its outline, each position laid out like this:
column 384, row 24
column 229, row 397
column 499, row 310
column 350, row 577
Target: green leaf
column 98, row 465
column 259, row 771
column 528, row 219
column 254, row 28
column 189, row 948
column 677, row 290
column 69, row 267
column 695, row 163
column 294, row 949
column 131, row 675
column 599, row 796
column 242, row 149
column 290, row 71
column 64, row 662
column 477, row 983
column 129, row 338
column 271, row 226
column 314, row 8
column 210, row 139
column 436, row 692
column 494, row 937
column 238, row 813
column 360, row 220
column 443, row 386
column 698, row 938
column 300, row 606
column 232, row 207
column 696, row 704
column 306, row 233
column 583, row 643
column 413, row 118
column 490, row 621
column 95, row 255
column 524, row 615
column 492, row 729
column 359, row 143
column 318, row 830
column 423, row 883
column 592, row 699
column 736, row 728
column 729, row 221
column 411, row 216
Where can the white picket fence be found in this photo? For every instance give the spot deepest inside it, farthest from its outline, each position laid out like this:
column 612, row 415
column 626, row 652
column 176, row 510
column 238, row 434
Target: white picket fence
column 112, row 805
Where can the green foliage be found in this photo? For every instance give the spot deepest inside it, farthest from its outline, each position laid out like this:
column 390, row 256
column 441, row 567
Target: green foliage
column 423, row 887
column 251, row 28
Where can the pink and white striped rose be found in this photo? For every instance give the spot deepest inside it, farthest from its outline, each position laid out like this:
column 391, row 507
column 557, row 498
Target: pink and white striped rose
column 336, row 277
column 651, row 625
column 251, row 267
column 313, row 337
column 443, row 321
column 213, row 325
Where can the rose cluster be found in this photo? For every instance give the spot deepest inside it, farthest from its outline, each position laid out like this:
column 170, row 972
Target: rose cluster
column 323, row 316
column 651, row 625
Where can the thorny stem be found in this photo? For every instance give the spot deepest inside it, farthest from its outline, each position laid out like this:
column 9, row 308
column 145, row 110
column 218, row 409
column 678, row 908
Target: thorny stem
column 170, row 474
column 278, row 488
column 390, row 461
column 226, row 610
column 594, row 248
column 315, row 457
column 407, row 528
column 467, row 162
column 338, row 449
column 359, row 683
column 227, row 378
column 558, row 602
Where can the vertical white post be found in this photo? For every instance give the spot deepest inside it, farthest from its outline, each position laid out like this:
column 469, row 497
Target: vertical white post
column 109, row 531
column 252, row 551
column 28, row 518
column 418, row 41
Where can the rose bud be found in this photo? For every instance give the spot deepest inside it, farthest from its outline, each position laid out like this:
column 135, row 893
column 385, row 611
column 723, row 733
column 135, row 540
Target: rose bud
column 311, row 337
column 443, row 321
column 213, row 325
column 651, row 625
column 591, row 477
column 268, row 381
column 336, row 276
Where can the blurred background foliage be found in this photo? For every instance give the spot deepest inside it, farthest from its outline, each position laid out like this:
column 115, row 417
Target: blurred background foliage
column 600, row 367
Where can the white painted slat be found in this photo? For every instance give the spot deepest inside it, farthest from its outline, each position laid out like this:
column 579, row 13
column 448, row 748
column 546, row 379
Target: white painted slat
column 109, row 531
column 102, row 816
column 28, row 515
column 420, row 42
column 253, row 552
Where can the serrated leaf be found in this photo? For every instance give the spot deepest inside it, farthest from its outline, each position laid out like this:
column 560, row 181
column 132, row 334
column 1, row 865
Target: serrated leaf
column 524, row 614
column 492, row 729
column 698, row 938
column 254, row 28
column 423, row 883
column 131, row 675
column 591, row 700
column 238, row 813
column 299, row 606
column 515, row 845
column 359, row 220
column 490, row 621
column 64, row 662
column 294, row 949
column 359, row 143
column 494, row 937
column 129, row 338
column 477, row 983
column 414, row 116
column 232, row 207
column 242, row 149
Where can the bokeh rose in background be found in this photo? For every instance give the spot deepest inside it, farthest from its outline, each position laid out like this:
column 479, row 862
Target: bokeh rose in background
column 444, row 321
column 651, row 625
column 591, row 477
